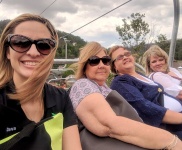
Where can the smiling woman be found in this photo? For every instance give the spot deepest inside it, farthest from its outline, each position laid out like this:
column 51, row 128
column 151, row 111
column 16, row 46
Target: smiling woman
column 157, row 68
column 27, row 49
column 153, row 105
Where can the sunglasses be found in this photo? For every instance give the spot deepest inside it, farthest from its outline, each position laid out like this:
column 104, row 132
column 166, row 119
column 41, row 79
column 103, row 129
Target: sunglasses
column 120, row 57
column 95, row 60
column 21, row 44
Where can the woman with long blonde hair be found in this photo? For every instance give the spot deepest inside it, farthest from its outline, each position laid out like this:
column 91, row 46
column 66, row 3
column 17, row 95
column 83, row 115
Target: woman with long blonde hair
column 27, row 49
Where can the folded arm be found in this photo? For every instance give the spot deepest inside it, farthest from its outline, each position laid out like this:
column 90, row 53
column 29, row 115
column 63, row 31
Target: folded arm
column 98, row 117
column 169, row 85
column 151, row 113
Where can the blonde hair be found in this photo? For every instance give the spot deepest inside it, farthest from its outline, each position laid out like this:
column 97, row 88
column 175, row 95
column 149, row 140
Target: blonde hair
column 111, row 51
column 90, row 49
column 31, row 89
column 154, row 50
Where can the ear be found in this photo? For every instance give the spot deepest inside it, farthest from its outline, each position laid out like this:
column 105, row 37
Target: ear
column 8, row 53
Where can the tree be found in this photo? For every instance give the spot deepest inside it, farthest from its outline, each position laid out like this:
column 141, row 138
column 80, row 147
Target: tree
column 163, row 43
column 133, row 33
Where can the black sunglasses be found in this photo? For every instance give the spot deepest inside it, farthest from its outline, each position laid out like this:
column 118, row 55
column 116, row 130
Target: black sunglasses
column 95, row 60
column 120, row 57
column 21, row 44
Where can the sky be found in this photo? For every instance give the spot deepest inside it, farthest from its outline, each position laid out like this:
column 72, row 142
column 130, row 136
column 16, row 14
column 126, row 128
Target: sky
column 69, row 15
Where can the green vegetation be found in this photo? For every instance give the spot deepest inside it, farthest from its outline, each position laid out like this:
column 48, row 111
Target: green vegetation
column 135, row 32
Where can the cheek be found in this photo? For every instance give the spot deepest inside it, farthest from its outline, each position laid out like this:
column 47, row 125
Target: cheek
column 152, row 65
column 164, row 62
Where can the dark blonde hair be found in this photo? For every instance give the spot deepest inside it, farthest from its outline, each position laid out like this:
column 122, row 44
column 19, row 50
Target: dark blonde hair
column 90, row 49
column 32, row 89
column 154, row 50
column 111, row 51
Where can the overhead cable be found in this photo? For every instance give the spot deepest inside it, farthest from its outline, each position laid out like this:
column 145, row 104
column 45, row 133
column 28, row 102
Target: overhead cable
column 47, row 7
column 96, row 18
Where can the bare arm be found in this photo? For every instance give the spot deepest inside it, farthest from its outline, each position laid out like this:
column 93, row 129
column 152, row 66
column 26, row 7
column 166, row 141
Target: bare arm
column 172, row 117
column 71, row 139
column 94, row 110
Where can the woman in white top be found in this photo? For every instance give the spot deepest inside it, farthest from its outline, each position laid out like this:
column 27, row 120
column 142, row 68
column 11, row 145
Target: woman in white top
column 157, row 68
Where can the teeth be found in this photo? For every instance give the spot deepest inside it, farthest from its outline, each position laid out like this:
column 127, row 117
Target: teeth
column 31, row 63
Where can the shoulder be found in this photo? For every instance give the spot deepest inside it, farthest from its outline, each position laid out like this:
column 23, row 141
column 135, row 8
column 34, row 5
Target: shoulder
column 52, row 92
column 83, row 84
column 157, row 75
column 52, row 89
column 82, row 88
column 175, row 71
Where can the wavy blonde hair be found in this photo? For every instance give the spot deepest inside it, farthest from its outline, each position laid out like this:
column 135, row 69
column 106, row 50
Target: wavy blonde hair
column 154, row 50
column 31, row 89
column 90, row 49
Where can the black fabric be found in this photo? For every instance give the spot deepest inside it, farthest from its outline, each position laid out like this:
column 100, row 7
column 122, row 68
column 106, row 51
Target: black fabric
column 32, row 137
column 58, row 100
column 13, row 119
column 121, row 107
column 17, row 138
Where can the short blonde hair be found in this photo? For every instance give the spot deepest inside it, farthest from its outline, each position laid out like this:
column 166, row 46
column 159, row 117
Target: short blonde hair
column 111, row 51
column 154, row 50
column 90, row 49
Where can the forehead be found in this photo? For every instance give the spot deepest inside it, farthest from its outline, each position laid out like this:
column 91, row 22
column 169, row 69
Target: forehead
column 32, row 29
column 155, row 57
column 119, row 51
column 101, row 53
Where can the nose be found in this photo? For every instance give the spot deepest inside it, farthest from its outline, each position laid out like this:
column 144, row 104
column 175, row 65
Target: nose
column 100, row 64
column 124, row 57
column 33, row 52
column 158, row 63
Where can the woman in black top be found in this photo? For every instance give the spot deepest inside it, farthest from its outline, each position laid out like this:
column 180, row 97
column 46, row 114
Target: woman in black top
column 27, row 49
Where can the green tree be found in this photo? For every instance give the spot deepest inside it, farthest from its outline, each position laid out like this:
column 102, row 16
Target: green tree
column 178, row 50
column 133, row 33
column 163, row 43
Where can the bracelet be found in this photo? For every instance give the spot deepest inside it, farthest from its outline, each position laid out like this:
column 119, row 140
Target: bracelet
column 172, row 144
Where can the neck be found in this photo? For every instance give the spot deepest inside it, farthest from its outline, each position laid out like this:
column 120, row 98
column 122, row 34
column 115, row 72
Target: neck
column 130, row 72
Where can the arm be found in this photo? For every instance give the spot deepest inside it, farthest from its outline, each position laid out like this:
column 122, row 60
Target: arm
column 179, row 96
column 71, row 139
column 94, row 110
column 151, row 113
column 167, row 82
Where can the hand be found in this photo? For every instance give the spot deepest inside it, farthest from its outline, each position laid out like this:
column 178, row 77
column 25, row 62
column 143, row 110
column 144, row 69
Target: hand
column 179, row 96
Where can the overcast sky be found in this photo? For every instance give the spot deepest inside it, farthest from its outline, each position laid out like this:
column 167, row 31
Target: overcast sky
column 69, row 15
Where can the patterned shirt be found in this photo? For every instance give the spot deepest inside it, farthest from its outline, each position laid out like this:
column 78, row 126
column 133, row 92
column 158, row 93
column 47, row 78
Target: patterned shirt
column 84, row 87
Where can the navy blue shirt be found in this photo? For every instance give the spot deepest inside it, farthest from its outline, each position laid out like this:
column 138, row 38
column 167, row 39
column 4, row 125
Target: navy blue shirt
column 142, row 96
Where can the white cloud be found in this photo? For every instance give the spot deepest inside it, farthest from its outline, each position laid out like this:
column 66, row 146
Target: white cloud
column 69, row 15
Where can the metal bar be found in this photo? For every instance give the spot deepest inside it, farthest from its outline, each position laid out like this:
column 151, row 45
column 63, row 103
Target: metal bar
column 65, row 61
column 175, row 31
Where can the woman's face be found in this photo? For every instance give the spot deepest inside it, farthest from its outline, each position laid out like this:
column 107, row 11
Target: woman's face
column 157, row 63
column 123, row 61
column 24, row 63
column 99, row 73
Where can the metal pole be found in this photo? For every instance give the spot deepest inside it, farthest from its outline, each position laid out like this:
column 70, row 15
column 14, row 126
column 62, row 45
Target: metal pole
column 65, row 50
column 175, row 31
